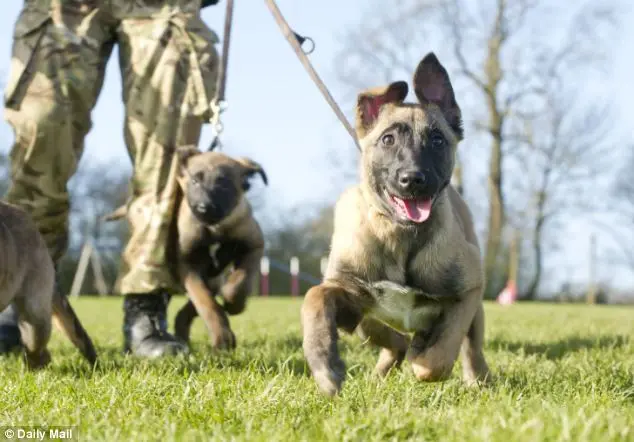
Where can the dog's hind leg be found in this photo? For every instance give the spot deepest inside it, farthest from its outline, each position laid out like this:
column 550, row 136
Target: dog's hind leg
column 474, row 365
column 183, row 321
column 393, row 344
column 34, row 320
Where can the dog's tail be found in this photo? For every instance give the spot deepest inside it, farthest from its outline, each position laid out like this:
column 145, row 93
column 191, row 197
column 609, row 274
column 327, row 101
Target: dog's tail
column 115, row 215
column 67, row 322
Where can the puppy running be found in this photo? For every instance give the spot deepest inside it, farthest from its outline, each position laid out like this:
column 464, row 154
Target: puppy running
column 219, row 242
column 27, row 278
column 404, row 254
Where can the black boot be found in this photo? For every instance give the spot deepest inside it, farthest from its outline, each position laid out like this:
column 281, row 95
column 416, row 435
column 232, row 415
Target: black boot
column 145, row 326
column 9, row 332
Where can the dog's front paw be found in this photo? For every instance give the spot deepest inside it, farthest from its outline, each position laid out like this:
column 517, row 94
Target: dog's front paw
column 224, row 339
column 38, row 360
column 329, row 376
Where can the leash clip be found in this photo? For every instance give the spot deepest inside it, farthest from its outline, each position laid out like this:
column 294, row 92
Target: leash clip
column 301, row 40
column 296, row 42
column 217, row 107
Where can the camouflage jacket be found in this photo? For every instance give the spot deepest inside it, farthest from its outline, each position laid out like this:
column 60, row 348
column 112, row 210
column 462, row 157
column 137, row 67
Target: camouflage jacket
column 206, row 3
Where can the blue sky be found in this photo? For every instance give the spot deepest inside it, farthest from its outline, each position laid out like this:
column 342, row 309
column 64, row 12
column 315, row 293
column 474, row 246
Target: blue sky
column 276, row 114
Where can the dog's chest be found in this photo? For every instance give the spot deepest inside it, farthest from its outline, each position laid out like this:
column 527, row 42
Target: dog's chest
column 404, row 309
column 413, row 292
column 215, row 256
column 443, row 278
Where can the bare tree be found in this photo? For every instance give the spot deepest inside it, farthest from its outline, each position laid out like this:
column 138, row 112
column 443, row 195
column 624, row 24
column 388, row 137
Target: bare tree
column 560, row 165
column 624, row 188
column 497, row 51
column 97, row 189
column 621, row 231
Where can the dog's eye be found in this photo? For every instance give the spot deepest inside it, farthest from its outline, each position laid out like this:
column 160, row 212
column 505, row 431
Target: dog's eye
column 437, row 140
column 196, row 179
column 388, row 140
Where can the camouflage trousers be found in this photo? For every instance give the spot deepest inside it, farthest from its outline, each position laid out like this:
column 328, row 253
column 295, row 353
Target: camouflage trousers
column 169, row 66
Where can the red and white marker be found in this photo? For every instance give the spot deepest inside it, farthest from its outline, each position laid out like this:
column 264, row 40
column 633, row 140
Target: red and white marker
column 294, row 276
column 324, row 265
column 264, row 276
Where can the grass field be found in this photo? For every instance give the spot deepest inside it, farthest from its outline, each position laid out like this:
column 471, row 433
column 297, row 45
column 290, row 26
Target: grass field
column 565, row 372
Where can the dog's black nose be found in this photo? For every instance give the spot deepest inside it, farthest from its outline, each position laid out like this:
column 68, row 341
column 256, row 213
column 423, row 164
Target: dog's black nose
column 411, row 180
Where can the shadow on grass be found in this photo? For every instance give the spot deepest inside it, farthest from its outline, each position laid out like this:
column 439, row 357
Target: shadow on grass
column 247, row 357
column 558, row 349
column 264, row 356
column 283, row 355
column 109, row 359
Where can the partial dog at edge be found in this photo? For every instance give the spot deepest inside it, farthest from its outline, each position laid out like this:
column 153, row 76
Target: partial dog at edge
column 219, row 244
column 27, row 278
column 404, row 254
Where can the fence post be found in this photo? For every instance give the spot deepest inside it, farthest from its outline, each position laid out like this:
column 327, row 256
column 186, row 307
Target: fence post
column 324, row 266
column 82, row 266
column 591, row 294
column 264, row 276
column 100, row 281
column 294, row 267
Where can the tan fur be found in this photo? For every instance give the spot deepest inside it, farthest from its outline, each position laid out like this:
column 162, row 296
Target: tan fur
column 27, row 278
column 368, row 247
column 234, row 283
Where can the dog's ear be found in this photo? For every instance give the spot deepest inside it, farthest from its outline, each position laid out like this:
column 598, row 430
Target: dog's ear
column 369, row 103
column 432, row 85
column 184, row 153
column 250, row 168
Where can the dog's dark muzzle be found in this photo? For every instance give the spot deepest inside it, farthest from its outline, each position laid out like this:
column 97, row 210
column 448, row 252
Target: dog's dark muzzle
column 213, row 206
column 414, row 184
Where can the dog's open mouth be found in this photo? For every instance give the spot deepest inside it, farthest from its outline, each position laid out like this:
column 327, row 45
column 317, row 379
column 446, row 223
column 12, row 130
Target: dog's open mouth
column 416, row 210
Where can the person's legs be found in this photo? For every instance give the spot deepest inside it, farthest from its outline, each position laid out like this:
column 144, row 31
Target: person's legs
column 169, row 69
column 56, row 75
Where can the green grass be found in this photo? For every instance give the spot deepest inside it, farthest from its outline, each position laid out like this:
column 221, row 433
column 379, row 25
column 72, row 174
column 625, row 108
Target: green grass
column 565, row 372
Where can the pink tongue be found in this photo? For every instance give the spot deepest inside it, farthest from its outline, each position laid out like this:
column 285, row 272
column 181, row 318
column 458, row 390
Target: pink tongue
column 415, row 210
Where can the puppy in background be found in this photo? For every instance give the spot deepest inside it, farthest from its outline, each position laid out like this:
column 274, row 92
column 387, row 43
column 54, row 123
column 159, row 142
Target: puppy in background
column 218, row 244
column 27, row 279
column 404, row 260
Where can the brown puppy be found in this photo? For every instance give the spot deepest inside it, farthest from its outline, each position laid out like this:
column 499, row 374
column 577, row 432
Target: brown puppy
column 218, row 242
column 27, row 278
column 404, row 255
